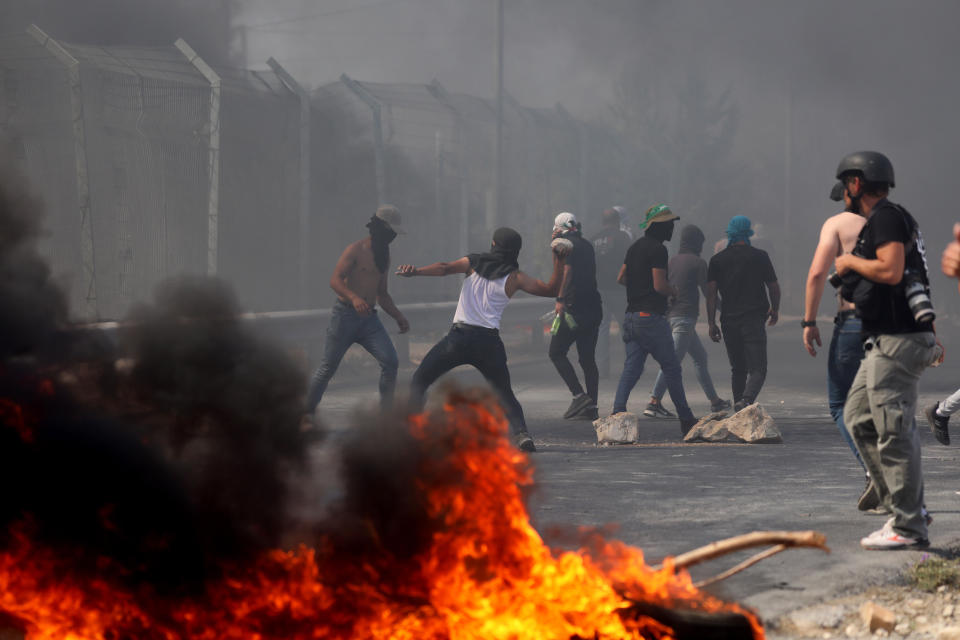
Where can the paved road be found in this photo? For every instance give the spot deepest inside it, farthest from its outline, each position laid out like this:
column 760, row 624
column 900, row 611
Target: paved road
column 667, row 497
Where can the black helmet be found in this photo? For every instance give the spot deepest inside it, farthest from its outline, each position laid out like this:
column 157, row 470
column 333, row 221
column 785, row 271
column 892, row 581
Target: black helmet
column 874, row 166
column 836, row 193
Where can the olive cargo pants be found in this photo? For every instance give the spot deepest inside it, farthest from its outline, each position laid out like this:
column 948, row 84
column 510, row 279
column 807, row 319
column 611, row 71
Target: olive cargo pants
column 879, row 415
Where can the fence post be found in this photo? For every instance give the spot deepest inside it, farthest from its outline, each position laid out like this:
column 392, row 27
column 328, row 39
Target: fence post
column 460, row 141
column 213, row 153
column 304, row 245
column 87, row 254
column 378, row 151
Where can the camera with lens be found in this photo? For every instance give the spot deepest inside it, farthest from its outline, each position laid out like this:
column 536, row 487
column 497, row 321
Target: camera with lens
column 918, row 297
column 835, row 280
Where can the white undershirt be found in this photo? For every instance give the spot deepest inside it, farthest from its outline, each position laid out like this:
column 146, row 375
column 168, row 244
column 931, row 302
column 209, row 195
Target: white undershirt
column 482, row 301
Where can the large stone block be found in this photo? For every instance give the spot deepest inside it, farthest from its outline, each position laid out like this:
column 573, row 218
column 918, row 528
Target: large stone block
column 620, row 428
column 752, row 425
column 710, row 428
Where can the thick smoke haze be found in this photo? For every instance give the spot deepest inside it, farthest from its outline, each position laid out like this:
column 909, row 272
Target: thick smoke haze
column 207, row 25
column 810, row 82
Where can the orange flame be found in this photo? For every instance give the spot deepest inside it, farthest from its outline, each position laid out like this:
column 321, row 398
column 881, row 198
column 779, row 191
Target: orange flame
column 486, row 573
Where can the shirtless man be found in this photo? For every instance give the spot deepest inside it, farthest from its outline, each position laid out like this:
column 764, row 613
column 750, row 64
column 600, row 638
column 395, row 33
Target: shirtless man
column 360, row 281
column 491, row 281
column 838, row 236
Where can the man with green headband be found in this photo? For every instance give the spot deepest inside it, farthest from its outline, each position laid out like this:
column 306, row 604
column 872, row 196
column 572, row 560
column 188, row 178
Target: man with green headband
column 645, row 327
column 744, row 278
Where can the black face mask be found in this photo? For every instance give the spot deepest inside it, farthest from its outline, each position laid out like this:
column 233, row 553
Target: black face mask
column 502, row 258
column 381, row 235
column 661, row 231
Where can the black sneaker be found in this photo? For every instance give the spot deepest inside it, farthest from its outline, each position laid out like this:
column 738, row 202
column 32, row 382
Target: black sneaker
column 589, row 413
column 686, row 425
column 719, row 405
column 657, row 410
column 524, row 442
column 578, row 404
column 870, row 498
column 938, row 424
column 740, row 405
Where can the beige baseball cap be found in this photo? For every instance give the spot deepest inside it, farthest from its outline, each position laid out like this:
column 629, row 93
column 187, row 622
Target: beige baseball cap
column 658, row 213
column 391, row 215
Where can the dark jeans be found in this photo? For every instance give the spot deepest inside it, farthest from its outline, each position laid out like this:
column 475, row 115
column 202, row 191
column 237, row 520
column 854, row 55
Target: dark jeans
column 846, row 352
column 585, row 336
column 480, row 348
column 346, row 328
column 651, row 335
column 746, row 341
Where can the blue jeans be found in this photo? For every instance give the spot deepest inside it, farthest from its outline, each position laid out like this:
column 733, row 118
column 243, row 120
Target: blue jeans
column 686, row 340
column 651, row 335
column 346, row 328
column 846, row 352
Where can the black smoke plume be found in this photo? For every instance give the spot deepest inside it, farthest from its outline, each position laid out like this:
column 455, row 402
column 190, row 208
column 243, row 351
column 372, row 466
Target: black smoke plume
column 206, row 25
column 170, row 454
column 31, row 306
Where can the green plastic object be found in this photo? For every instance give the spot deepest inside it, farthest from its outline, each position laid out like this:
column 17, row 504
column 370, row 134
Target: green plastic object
column 556, row 323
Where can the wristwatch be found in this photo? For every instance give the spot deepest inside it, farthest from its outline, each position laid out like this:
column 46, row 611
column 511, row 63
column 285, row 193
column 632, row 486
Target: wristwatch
column 808, row 323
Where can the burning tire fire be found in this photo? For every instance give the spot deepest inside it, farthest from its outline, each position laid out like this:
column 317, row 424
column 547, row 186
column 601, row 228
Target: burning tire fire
column 470, row 565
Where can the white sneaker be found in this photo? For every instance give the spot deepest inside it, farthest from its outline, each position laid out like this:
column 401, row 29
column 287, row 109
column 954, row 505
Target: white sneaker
column 886, row 539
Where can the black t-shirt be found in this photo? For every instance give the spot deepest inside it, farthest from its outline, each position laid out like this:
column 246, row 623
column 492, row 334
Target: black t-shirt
column 741, row 273
column 890, row 223
column 644, row 255
column 581, row 294
column 610, row 246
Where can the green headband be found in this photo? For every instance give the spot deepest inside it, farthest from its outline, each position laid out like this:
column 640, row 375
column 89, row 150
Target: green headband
column 653, row 212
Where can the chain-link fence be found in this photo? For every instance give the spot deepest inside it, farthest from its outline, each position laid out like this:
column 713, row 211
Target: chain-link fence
column 153, row 163
column 431, row 153
column 121, row 144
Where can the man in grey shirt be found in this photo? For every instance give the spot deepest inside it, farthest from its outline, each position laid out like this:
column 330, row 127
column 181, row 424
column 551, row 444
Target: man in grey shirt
column 687, row 273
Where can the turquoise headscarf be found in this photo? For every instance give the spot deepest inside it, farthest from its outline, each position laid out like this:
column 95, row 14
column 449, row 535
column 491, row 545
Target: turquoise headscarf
column 738, row 230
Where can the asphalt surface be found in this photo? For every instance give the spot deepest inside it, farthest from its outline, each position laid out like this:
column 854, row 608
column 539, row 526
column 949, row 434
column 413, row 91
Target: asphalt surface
column 668, row 497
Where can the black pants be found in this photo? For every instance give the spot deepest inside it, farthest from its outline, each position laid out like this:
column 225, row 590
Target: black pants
column 585, row 336
column 480, row 348
column 746, row 341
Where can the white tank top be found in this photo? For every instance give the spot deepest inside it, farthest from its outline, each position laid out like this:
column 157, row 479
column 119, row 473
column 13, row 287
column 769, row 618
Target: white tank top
column 482, row 301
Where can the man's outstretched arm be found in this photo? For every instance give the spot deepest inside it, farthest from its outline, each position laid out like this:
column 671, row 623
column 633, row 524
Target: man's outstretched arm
column 537, row 287
column 436, row 269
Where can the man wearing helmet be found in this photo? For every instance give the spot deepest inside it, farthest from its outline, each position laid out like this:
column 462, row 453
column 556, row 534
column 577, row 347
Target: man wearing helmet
column 886, row 278
column 838, row 235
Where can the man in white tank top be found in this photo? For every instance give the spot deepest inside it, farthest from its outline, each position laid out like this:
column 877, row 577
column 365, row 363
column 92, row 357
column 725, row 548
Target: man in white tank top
column 838, row 235
column 491, row 280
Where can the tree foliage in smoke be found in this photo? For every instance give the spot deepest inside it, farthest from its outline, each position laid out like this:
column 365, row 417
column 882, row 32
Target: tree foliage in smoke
column 685, row 133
